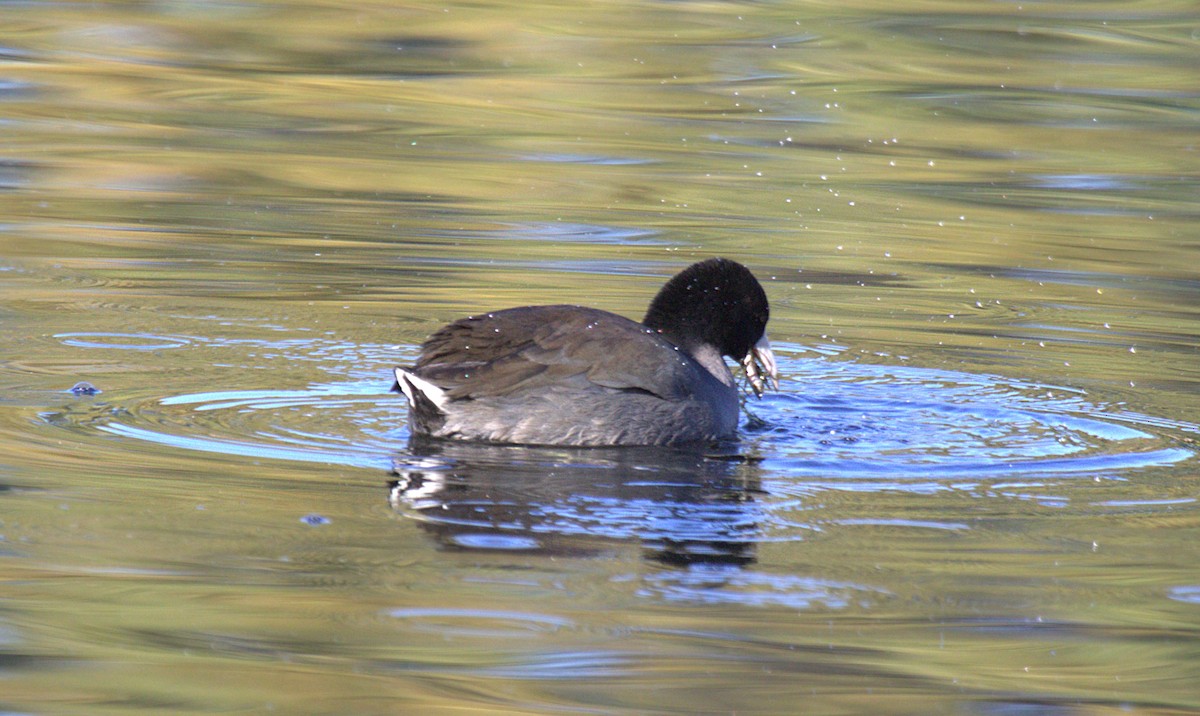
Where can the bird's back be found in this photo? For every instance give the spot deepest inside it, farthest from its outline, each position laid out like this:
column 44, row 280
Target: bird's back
column 568, row 375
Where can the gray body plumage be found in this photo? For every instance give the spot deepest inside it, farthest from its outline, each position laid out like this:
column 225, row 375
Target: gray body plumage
column 566, row 375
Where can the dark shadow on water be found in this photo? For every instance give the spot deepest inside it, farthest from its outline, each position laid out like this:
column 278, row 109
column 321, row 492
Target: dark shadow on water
column 680, row 507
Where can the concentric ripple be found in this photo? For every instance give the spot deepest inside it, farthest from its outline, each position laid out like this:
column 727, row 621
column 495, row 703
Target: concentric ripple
column 335, row 423
column 834, row 424
column 123, row 341
column 830, row 420
column 351, row 419
column 853, row 421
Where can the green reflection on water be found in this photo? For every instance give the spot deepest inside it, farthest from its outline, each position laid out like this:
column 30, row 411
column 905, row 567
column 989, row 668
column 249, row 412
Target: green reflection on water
column 288, row 195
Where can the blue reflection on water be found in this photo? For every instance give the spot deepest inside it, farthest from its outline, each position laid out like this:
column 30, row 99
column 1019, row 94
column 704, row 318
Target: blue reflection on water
column 834, row 425
column 831, row 420
column 123, row 341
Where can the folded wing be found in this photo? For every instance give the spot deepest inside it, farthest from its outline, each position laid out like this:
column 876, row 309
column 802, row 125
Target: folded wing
column 526, row 348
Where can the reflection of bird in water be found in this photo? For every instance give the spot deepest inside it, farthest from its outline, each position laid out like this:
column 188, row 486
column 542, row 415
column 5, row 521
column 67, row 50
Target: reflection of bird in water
column 567, row 375
column 681, row 507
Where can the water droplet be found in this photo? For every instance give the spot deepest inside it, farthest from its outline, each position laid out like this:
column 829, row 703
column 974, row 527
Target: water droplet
column 84, row 388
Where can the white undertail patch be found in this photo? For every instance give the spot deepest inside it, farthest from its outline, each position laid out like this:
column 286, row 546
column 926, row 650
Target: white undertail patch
column 411, row 385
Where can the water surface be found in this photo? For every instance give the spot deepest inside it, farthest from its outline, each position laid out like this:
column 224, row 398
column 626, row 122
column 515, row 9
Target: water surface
column 975, row 492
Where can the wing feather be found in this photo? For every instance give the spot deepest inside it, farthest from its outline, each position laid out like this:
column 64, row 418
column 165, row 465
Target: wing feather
column 517, row 349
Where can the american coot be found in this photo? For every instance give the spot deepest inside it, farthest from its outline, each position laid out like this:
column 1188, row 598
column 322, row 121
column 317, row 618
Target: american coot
column 568, row 375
